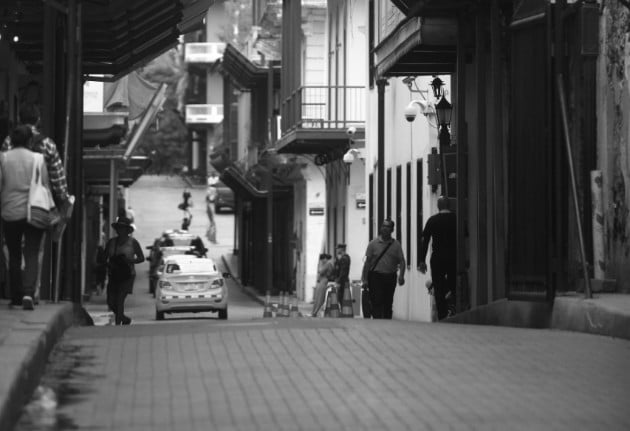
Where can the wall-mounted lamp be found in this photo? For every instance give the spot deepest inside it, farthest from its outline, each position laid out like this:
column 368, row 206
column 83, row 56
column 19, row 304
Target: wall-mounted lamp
column 438, row 86
column 444, row 111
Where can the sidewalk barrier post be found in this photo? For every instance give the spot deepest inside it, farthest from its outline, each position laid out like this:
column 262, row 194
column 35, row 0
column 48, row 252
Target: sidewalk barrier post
column 327, row 309
column 280, row 312
column 285, row 305
column 267, row 312
column 334, row 304
column 346, row 304
column 294, row 311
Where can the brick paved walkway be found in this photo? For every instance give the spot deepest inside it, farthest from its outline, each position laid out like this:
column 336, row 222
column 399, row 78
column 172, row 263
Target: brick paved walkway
column 322, row 374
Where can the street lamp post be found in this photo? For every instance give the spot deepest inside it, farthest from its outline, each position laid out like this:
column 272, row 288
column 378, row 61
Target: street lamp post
column 444, row 112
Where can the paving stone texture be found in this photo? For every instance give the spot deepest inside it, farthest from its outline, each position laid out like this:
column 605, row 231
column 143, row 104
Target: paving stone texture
column 322, row 374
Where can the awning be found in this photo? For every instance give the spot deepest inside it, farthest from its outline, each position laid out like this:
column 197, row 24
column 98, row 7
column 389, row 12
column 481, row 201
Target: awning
column 97, row 164
column 431, row 7
column 243, row 72
column 419, row 46
column 118, row 35
column 234, row 179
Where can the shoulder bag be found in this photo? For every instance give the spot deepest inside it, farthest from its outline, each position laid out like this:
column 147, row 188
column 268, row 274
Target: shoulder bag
column 366, row 301
column 41, row 211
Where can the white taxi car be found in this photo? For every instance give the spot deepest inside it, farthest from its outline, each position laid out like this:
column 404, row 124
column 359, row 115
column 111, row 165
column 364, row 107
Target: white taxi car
column 187, row 283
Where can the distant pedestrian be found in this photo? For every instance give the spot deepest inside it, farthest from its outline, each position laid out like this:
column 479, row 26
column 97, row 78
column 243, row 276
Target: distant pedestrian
column 186, row 204
column 441, row 230
column 325, row 270
column 211, row 233
column 123, row 251
column 342, row 270
column 383, row 259
column 99, row 269
column 23, row 240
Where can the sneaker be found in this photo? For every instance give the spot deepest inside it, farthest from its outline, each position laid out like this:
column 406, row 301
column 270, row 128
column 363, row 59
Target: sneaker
column 126, row 320
column 27, row 303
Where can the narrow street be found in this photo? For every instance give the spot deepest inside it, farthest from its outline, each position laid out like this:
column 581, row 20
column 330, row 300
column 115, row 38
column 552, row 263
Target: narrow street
column 154, row 201
column 194, row 372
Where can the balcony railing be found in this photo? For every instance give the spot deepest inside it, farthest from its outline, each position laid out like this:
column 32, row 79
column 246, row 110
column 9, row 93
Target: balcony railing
column 204, row 114
column 203, row 52
column 323, row 107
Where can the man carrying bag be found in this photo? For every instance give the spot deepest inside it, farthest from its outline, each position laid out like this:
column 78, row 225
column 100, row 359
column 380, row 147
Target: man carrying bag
column 383, row 259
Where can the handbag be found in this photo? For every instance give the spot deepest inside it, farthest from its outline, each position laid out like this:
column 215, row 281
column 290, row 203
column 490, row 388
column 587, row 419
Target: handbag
column 366, row 301
column 41, row 211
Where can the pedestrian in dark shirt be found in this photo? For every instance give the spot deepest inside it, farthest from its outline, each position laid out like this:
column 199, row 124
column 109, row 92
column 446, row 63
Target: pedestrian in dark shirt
column 123, row 251
column 383, row 258
column 441, row 230
column 342, row 269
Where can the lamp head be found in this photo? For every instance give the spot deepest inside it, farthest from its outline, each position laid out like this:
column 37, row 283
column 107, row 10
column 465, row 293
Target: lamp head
column 351, row 131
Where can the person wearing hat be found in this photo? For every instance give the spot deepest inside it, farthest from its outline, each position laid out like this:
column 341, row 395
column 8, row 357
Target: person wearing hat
column 123, row 251
column 342, row 269
column 383, row 259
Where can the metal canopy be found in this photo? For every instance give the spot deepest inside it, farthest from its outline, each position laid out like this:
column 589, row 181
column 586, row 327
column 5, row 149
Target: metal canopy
column 419, row 46
column 118, row 35
column 234, row 179
column 97, row 167
column 243, row 72
column 431, row 7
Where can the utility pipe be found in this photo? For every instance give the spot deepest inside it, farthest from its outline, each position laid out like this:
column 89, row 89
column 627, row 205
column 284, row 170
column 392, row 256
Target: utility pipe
column 565, row 126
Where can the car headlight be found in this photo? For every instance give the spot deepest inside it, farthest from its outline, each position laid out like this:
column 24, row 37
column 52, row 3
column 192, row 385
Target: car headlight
column 165, row 285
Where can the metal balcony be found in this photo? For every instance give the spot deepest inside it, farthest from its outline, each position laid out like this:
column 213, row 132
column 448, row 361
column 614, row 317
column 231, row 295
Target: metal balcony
column 203, row 52
column 204, row 114
column 315, row 118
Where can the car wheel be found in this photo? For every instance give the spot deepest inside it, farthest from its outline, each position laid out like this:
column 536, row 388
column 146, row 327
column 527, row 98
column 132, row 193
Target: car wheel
column 223, row 314
column 159, row 315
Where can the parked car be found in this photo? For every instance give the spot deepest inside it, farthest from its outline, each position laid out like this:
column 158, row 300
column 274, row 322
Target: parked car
column 190, row 284
column 221, row 196
column 172, row 242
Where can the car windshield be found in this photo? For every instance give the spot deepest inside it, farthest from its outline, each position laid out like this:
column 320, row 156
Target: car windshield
column 181, row 241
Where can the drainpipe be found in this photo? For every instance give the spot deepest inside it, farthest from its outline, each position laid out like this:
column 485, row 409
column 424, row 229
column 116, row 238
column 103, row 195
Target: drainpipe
column 576, row 205
column 380, row 167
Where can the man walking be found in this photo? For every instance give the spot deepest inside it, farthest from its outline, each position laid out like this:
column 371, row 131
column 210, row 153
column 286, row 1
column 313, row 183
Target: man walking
column 441, row 229
column 383, row 258
column 342, row 269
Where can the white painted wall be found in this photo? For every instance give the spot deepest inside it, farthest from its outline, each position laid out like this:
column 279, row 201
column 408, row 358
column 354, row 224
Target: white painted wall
column 244, row 124
column 312, row 194
column 405, row 142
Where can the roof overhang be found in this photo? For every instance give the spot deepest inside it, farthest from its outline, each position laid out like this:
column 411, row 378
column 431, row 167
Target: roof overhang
column 419, row 46
column 234, row 179
column 117, row 35
column 243, row 72
column 413, row 8
column 97, row 167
